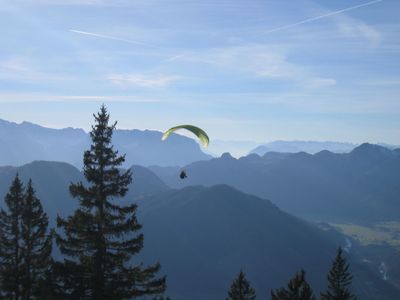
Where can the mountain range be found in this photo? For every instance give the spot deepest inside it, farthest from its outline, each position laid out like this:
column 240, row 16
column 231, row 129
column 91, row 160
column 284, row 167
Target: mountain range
column 359, row 186
column 235, row 148
column 203, row 236
column 26, row 142
column 311, row 147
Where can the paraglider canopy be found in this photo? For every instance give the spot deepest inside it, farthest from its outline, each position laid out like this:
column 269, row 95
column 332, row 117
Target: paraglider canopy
column 200, row 133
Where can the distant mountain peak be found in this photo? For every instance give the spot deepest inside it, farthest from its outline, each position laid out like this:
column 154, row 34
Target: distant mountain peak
column 301, row 154
column 311, row 147
column 324, row 152
column 227, row 156
column 221, row 187
column 367, row 148
column 26, row 123
column 7, row 123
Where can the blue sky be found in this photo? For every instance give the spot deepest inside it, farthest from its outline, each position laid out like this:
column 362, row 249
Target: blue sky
column 241, row 69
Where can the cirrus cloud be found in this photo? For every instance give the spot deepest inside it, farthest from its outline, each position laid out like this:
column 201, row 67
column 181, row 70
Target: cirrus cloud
column 140, row 80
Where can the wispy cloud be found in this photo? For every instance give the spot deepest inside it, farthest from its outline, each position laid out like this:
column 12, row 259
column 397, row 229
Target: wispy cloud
column 255, row 61
column 139, row 80
column 21, row 69
column 333, row 13
column 174, row 58
column 348, row 27
column 258, row 59
column 391, row 82
column 108, row 37
column 46, row 97
column 75, row 2
column 319, row 82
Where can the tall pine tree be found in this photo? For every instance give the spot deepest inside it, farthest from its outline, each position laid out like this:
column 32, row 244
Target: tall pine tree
column 241, row 289
column 99, row 240
column 37, row 246
column 11, row 268
column 297, row 289
column 25, row 244
column 339, row 280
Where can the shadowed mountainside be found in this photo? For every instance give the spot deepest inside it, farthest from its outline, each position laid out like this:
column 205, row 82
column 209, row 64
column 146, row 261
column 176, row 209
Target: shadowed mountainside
column 203, row 236
column 51, row 181
column 361, row 185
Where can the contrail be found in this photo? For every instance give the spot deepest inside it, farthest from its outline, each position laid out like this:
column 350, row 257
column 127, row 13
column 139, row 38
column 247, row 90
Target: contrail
column 108, row 37
column 322, row 16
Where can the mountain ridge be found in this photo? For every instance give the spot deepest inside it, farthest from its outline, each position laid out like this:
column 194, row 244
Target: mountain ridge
column 51, row 181
column 311, row 147
column 26, row 142
column 219, row 230
column 325, row 186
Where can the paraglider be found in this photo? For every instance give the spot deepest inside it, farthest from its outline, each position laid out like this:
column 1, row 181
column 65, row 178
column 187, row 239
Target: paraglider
column 200, row 133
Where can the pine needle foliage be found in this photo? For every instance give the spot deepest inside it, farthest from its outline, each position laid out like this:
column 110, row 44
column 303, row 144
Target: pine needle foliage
column 25, row 244
column 339, row 280
column 241, row 289
column 101, row 238
column 297, row 289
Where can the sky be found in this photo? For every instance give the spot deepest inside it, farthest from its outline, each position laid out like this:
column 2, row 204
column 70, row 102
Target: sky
column 243, row 70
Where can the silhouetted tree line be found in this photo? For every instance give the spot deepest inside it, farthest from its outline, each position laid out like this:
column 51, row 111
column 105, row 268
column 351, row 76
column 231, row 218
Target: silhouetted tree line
column 339, row 280
column 100, row 239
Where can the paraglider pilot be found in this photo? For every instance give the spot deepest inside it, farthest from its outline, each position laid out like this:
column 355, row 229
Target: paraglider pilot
column 183, row 174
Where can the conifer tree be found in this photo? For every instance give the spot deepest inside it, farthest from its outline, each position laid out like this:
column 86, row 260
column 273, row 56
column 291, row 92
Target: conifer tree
column 37, row 245
column 241, row 289
column 100, row 239
column 11, row 269
column 339, row 280
column 297, row 289
column 25, row 245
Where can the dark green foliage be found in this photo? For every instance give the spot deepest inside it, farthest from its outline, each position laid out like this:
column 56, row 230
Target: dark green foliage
column 37, row 245
column 50, row 290
column 297, row 289
column 25, row 244
column 339, row 280
column 241, row 289
column 10, row 241
column 98, row 239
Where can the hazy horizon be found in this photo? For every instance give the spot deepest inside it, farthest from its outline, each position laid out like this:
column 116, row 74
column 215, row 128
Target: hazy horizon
column 240, row 148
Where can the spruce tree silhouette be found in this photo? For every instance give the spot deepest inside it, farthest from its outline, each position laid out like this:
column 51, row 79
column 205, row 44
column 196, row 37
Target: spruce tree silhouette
column 297, row 289
column 100, row 239
column 339, row 280
column 241, row 289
